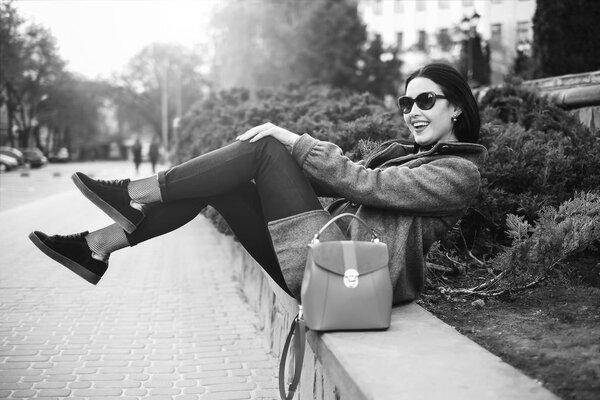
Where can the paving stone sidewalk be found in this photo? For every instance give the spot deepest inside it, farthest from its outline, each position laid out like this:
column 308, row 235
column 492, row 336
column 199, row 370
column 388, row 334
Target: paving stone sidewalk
column 165, row 322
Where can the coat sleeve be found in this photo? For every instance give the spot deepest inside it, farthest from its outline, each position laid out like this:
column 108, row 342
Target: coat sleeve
column 440, row 187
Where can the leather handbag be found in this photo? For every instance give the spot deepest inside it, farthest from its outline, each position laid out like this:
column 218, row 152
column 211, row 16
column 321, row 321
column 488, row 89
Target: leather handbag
column 346, row 286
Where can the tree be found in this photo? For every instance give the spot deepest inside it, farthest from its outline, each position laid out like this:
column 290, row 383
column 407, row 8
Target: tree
column 141, row 86
column 565, row 37
column 71, row 112
column 252, row 42
column 380, row 72
column 29, row 64
column 474, row 62
column 270, row 43
column 332, row 38
column 11, row 44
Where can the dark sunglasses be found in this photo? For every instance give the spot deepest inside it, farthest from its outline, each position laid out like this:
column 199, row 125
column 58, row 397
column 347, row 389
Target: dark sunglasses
column 424, row 101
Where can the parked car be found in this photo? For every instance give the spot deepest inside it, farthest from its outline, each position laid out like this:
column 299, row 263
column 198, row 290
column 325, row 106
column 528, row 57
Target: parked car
column 7, row 163
column 14, row 153
column 34, row 157
column 62, row 155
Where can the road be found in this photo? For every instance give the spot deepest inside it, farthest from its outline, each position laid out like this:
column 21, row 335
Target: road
column 25, row 186
column 165, row 322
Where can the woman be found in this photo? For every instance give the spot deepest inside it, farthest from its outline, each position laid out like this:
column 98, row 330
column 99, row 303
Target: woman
column 266, row 185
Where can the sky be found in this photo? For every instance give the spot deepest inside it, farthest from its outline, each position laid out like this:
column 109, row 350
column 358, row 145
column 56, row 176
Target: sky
column 98, row 37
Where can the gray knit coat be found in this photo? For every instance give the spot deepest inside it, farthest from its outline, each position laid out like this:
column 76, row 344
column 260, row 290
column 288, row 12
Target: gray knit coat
column 411, row 199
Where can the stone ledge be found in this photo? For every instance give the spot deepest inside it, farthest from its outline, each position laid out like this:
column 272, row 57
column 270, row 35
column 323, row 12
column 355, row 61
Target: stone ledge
column 570, row 91
column 591, row 78
column 419, row 357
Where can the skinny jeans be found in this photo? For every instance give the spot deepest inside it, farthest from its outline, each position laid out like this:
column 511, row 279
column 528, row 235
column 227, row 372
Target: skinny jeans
column 249, row 184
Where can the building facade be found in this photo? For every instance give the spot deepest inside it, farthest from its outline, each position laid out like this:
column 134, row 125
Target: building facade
column 431, row 30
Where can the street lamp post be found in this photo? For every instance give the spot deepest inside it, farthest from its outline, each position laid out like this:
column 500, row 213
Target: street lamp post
column 178, row 106
column 164, row 107
column 468, row 26
column 524, row 47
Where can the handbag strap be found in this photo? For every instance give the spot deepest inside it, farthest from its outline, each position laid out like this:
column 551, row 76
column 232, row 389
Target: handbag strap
column 375, row 237
column 298, row 333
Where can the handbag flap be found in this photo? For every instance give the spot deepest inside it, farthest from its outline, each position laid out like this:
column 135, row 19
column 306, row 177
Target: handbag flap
column 338, row 256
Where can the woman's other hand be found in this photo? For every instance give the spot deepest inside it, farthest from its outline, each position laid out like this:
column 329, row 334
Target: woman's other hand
column 258, row 132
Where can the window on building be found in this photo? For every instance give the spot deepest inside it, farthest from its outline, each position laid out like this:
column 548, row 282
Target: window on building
column 467, row 3
column 377, row 7
column 496, row 35
column 421, row 5
column 422, row 43
column 398, row 6
column 399, row 41
column 443, row 4
column 523, row 29
column 444, row 39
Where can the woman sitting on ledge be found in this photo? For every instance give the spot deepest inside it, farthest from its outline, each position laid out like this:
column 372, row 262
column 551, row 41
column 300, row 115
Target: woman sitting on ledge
column 266, row 184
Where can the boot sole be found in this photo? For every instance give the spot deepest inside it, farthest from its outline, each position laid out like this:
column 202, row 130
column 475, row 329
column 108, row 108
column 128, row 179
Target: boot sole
column 113, row 213
column 67, row 262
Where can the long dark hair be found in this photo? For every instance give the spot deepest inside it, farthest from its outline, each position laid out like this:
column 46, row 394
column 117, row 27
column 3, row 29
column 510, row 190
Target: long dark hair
column 458, row 92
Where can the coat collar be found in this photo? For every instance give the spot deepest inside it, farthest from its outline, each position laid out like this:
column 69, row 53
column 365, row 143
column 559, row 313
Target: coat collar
column 400, row 151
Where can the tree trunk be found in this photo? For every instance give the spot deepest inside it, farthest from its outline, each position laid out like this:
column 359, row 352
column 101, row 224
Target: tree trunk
column 11, row 136
column 49, row 140
column 35, row 130
column 25, row 128
column 10, row 111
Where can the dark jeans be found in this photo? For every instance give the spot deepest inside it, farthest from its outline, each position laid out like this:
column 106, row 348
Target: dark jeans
column 249, row 184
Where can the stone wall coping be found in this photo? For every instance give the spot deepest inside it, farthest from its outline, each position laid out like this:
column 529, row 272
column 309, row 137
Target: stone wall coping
column 570, row 91
column 422, row 358
column 576, row 97
column 566, row 81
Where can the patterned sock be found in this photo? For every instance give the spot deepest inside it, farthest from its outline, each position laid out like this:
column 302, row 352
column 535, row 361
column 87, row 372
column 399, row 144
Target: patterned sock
column 144, row 191
column 106, row 240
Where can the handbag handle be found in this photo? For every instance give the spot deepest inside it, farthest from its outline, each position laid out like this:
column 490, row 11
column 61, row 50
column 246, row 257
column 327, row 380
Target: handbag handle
column 298, row 333
column 375, row 237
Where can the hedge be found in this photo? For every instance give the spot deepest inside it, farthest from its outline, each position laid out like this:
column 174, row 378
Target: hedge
column 326, row 113
column 539, row 154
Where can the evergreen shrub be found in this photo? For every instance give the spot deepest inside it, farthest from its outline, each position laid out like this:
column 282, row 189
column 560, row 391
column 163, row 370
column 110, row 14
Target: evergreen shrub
column 539, row 156
column 537, row 250
column 326, row 113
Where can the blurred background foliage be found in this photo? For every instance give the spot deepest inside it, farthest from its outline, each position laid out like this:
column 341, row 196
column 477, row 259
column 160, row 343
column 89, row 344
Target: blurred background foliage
column 279, row 42
column 328, row 113
column 268, row 44
column 564, row 39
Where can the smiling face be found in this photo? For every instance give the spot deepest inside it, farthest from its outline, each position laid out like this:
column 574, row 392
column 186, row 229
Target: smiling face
column 435, row 124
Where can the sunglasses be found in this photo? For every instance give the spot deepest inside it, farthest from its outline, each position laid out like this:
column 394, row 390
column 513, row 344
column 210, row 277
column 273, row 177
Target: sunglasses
column 424, row 101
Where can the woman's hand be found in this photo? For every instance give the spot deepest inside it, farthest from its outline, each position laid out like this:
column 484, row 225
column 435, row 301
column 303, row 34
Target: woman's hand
column 258, row 132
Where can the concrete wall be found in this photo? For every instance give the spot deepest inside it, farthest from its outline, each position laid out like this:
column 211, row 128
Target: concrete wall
column 579, row 93
column 276, row 313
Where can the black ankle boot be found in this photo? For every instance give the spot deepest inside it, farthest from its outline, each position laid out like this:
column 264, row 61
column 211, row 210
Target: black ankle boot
column 73, row 252
column 112, row 198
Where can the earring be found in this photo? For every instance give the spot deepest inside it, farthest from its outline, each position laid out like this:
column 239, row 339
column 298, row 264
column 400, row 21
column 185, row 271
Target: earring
column 454, row 118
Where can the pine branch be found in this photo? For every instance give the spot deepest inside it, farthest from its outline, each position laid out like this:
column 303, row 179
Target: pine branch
column 469, row 253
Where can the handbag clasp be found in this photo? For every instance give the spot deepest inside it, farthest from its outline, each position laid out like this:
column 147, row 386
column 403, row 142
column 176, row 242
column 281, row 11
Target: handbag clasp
column 351, row 278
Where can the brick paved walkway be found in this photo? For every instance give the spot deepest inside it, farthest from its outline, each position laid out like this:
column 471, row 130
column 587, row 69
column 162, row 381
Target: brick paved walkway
column 166, row 321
